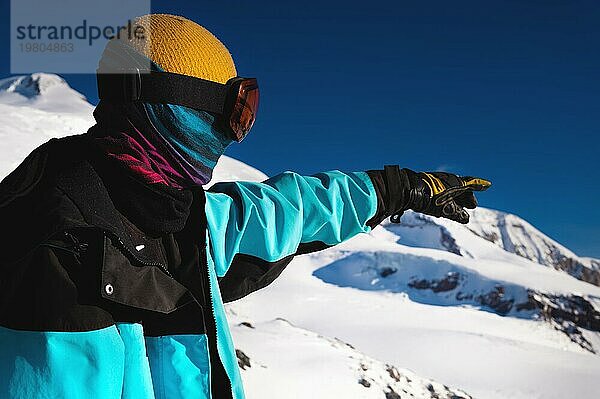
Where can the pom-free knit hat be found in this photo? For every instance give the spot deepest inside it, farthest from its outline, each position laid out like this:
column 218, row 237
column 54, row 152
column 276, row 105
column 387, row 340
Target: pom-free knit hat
column 179, row 45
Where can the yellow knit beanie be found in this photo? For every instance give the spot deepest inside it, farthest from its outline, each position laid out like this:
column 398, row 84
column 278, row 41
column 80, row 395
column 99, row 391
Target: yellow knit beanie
column 179, row 45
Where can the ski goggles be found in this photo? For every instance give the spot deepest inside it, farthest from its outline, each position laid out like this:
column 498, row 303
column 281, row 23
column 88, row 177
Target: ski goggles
column 234, row 104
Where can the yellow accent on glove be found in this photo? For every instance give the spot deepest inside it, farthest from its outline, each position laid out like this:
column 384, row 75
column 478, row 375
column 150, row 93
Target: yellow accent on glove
column 435, row 185
column 482, row 183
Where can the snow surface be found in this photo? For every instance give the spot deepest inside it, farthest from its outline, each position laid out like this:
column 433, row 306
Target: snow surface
column 34, row 109
column 347, row 314
column 229, row 169
column 487, row 355
column 302, row 364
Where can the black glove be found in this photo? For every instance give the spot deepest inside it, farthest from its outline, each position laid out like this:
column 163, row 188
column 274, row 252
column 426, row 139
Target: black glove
column 437, row 194
column 443, row 194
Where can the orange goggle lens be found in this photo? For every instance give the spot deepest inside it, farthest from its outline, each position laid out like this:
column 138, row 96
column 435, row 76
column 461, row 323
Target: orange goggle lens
column 244, row 110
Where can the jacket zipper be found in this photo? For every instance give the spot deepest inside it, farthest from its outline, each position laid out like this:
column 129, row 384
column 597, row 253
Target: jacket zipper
column 204, row 255
column 124, row 248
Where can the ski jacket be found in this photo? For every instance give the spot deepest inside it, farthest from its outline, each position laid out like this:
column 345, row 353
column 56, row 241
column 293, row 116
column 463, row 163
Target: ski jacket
column 114, row 288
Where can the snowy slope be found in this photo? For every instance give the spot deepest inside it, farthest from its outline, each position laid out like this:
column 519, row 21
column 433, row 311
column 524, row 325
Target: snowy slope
column 297, row 363
column 35, row 108
column 461, row 343
column 507, row 231
column 489, row 308
column 230, row 169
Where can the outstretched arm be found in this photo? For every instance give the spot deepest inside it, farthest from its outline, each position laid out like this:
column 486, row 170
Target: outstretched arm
column 256, row 228
column 287, row 213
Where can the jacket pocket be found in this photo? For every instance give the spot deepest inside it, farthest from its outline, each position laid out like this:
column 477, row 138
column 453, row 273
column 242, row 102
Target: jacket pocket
column 55, row 286
column 140, row 283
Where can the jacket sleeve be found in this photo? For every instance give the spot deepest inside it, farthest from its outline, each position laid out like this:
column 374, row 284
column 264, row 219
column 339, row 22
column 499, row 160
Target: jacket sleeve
column 286, row 215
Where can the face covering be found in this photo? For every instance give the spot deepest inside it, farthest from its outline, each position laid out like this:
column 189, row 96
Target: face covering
column 190, row 137
column 161, row 143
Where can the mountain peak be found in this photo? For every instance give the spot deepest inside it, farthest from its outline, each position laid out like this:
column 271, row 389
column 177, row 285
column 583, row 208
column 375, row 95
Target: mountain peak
column 42, row 91
column 32, row 85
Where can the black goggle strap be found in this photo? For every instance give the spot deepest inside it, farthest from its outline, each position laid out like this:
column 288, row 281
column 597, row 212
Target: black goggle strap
column 163, row 88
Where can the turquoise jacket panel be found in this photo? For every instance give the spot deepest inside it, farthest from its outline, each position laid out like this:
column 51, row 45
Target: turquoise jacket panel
column 67, row 365
column 112, row 363
column 180, row 366
column 137, row 376
column 270, row 220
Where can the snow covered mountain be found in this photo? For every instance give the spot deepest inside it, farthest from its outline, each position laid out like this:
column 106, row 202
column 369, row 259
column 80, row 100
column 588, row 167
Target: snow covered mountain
column 495, row 308
column 33, row 109
column 515, row 235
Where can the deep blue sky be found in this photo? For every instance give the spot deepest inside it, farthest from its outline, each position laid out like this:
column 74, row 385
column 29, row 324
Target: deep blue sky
column 508, row 90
